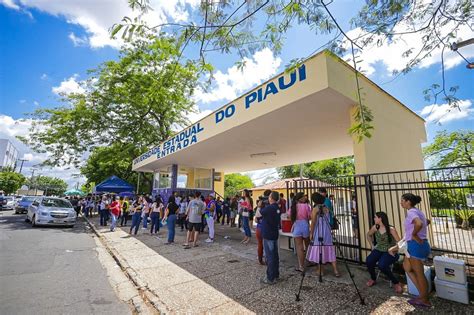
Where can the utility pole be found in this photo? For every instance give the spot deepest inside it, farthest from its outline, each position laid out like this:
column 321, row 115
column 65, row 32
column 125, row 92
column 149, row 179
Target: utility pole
column 138, row 182
column 21, row 165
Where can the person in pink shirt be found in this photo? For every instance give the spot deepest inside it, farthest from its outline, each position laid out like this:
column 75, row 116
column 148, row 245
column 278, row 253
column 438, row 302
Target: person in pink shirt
column 300, row 214
column 418, row 248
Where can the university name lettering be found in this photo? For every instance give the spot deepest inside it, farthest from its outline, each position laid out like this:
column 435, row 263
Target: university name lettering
column 189, row 136
column 176, row 143
column 260, row 95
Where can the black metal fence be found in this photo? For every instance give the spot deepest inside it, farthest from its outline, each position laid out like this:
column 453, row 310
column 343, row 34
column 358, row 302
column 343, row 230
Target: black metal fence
column 447, row 199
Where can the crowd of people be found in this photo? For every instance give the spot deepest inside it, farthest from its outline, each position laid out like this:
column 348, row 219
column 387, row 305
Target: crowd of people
column 312, row 220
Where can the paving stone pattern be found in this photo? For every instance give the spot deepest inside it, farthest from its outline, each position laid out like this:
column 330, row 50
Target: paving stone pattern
column 223, row 277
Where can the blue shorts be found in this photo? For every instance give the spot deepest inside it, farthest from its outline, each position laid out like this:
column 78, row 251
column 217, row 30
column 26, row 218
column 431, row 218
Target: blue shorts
column 418, row 251
column 301, row 229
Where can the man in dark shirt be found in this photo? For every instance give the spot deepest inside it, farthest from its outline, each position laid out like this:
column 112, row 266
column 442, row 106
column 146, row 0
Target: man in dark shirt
column 269, row 226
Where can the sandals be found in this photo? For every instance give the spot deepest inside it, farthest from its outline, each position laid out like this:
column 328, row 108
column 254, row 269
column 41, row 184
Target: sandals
column 370, row 283
column 419, row 303
column 298, row 270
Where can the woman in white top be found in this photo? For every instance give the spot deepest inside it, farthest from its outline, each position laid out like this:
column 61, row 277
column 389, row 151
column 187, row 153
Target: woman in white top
column 155, row 215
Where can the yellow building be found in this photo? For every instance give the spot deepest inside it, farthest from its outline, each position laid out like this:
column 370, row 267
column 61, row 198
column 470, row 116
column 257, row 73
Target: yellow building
column 296, row 117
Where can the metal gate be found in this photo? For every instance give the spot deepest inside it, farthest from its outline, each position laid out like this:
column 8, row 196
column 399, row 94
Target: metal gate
column 447, row 200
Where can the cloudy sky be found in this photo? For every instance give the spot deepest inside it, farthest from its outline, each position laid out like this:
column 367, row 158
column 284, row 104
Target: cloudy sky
column 47, row 46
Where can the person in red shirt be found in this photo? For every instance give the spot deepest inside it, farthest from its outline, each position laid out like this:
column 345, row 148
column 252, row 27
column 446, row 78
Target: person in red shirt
column 114, row 209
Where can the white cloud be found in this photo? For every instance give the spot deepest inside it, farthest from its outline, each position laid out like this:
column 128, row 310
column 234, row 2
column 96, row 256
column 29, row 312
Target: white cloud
column 444, row 113
column 96, row 17
column 10, row 4
column 200, row 114
column 227, row 86
column 22, row 101
column 44, row 76
column 261, row 177
column 68, row 86
column 11, row 128
column 36, row 103
column 389, row 53
column 77, row 41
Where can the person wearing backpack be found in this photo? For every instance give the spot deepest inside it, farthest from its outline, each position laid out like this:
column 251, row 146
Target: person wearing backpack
column 328, row 204
column 125, row 211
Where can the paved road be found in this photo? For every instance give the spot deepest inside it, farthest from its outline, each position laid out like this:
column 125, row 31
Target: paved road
column 52, row 270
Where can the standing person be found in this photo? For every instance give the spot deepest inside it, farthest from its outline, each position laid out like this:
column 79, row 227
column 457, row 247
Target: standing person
column 321, row 249
column 182, row 213
column 246, row 206
column 226, row 211
column 210, row 214
column 385, row 237
column 194, row 212
column 233, row 211
column 145, row 211
column 114, row 212
column 354, row 218
column 270, row 218
column 282, row 204
column 262, row 203
column 170, row 217
column 137, row 215
column 239, row 199
column 125, row 211
column 327, row 204
column 104, row 203
column 155, row 215
column 418, row 248
column 300, row 214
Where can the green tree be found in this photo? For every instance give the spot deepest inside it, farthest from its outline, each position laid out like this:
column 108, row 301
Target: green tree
column 320, row 169
column 241, row 27
column 10, row 182
column 49, row 185
column 233, row 183
column 451, row 149
column 115, row 160
column 135, row 100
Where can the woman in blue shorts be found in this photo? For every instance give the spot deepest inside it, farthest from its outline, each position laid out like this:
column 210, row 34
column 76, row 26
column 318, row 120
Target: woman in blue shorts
column 300, row 214
column 417, row 246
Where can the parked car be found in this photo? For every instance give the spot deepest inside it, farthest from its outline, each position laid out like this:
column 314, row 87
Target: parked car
column 10, row 205
column 3, row 202
column 23, row 204
column 51, row 211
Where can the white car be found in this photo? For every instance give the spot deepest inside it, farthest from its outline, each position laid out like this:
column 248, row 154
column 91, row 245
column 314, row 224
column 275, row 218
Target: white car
column 10, row 203
column 51, row 211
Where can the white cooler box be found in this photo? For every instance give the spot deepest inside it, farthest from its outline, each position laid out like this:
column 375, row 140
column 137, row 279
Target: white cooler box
column 452, row 291
column 411, row 286
column 450, row 269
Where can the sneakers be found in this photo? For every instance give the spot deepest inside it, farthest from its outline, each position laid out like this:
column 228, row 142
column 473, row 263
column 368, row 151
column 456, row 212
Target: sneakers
column 398, row 288
column 370, row 283
column 265, row 280
column 209, row 240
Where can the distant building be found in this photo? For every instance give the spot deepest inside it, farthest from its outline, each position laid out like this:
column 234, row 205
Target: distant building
column 8, row 154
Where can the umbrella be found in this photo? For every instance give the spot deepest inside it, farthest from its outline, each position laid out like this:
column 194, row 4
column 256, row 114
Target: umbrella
column 74, row 192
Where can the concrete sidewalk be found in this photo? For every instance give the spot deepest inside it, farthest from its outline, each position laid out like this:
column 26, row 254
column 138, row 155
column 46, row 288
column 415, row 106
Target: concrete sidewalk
column 223, row 278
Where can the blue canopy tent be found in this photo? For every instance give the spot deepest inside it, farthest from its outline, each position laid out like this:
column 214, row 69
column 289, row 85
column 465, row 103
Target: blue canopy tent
column 113, row 184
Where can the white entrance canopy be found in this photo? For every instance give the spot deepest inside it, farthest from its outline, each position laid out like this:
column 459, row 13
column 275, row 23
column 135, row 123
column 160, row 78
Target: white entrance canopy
column 295, row 117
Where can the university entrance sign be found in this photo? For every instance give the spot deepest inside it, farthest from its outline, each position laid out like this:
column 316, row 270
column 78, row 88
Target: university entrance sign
column 296, row 117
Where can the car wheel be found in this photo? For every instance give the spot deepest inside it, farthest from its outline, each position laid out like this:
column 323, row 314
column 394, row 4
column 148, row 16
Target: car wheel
column 27, row 219
column 33, row 221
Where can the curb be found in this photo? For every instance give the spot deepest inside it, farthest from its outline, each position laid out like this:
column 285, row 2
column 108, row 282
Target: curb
column 147, row 299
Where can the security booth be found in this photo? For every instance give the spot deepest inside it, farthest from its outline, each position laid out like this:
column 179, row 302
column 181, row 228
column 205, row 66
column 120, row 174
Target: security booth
column 298, row 116
column 184, row 180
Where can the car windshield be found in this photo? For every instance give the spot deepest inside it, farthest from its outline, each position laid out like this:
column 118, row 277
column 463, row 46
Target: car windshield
column 28, row 199
column 55, row 203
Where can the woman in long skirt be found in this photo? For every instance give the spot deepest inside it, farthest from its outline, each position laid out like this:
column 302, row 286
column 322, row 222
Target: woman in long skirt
column 321, row 250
